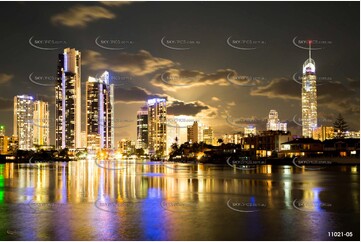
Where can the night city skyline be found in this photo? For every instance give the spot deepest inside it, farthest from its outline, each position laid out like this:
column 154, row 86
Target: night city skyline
column 143, row 58
column 180, row 121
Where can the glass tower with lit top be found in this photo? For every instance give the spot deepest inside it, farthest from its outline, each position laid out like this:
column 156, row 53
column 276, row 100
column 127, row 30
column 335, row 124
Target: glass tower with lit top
column 309, row 96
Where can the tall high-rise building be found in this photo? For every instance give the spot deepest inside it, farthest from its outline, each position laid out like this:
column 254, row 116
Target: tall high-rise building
column 309, row 96
column 23, row 121
column 68, row 100
column 274, row 123
column 192, row 133
column 100, row 112
column 41, row 123
column 142, row 128
column 208, row 136
column 157, row 126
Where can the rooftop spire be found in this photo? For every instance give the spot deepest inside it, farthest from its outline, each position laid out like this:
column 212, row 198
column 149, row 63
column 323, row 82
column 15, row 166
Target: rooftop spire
column 309, row 49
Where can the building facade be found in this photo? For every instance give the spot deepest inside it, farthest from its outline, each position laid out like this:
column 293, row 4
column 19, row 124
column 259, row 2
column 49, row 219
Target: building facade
column 41, row 123
column 273, row 122
column 68, row 100
column 157, row 126
column 208, row 136
column 4, row 144
column 323, row 132
column 23, row 121
column 250, row 130
column 309, row 96
column 192, row 132
column 142, row 128
column 100, row 112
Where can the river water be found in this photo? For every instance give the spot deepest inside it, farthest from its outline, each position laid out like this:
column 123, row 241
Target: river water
column 90, row 200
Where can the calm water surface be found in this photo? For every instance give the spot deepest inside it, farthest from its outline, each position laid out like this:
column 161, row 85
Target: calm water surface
column 85, row 200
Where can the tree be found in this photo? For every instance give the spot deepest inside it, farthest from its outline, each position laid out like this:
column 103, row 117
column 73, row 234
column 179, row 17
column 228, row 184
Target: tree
column 139, row 152
column 340, row 125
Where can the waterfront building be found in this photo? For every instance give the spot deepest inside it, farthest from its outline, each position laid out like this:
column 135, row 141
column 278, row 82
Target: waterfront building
column 68, row 100
column 309, row 96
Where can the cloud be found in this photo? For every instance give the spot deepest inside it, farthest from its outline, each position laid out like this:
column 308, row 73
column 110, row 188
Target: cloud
column 189, row 109
column 175, row 79
column 215, row 99
column 340, row 97
column 283, row 88
column 80, row 16
column 4, row 78
column 134, row 95
column 115, row 3
column 231, row 103
column 137, row 64
column 6, row 104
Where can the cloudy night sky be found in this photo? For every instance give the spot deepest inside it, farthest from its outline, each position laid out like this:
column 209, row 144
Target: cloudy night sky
column 226, row 63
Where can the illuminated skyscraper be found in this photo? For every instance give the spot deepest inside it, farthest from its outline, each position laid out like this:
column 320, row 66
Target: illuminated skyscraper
column 192, row 133
column 309, row 96
column 100, row 112
column 208, row 136
column 23, row 121
column 68, row 100
column 41, row 123
column 274, row 123
column 157, row 126
column 142, row 128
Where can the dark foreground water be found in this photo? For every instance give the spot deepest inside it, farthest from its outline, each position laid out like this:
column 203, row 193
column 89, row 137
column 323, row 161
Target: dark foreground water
column 84, row 200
